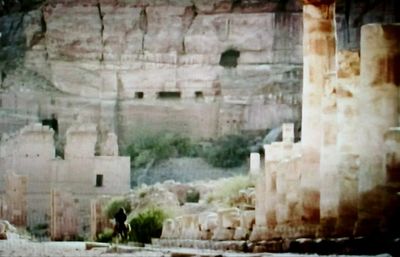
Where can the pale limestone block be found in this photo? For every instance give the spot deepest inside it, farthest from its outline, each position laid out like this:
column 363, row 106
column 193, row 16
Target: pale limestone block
column 229, row 218
column 190, row 227
column 260, row 201
column 109, row 147
column 81, row 141
column 208, row 221
column 255, row 163
column 169, row 229
column 288, row 132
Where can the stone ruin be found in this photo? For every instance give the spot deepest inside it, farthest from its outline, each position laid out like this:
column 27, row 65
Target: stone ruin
column 37, row 188
column 342, row 179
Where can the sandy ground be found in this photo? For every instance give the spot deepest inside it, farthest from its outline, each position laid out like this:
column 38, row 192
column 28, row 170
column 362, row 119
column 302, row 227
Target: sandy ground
column 16, row 246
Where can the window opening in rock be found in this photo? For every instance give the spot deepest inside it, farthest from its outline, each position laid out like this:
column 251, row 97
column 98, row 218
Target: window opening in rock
column 52, row 123
column 99, row 180
column 198, row 94
column 229, row 58
column 169, row 95
column 139, row 95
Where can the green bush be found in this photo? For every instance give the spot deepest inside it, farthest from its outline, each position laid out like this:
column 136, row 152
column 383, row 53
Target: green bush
column 146, row 225
column 106, row 236
column 150, row 149
column 228, row 151
column 192, row 196
column 114, row 204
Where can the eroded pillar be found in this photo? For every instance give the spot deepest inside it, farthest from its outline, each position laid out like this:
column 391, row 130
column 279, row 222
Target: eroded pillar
column 319, row 45
column 348, row 132
column 391, row 222
column 379, row 107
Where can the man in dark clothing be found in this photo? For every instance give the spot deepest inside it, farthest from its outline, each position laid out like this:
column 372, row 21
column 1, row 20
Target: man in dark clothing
column 120, row 227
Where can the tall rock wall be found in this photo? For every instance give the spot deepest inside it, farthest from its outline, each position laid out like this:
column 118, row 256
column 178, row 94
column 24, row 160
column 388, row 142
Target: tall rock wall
column 202, row 68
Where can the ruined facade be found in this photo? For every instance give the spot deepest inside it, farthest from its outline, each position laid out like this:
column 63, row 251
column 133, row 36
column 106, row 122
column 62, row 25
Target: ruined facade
column 53, row 183
column 200, row 68
column 341, row 180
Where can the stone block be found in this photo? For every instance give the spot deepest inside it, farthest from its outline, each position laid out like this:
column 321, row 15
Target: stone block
column 255, row 163
column 288, row 132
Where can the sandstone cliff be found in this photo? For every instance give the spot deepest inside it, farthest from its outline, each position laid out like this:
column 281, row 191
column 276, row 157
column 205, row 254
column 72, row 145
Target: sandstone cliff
column 203, row 68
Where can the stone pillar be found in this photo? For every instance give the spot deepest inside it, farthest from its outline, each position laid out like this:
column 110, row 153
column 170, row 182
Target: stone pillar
column 379, row 107
column 15, row 199
column 288, row 132
column 98, row 220
column 329, row 177
column 64, row 216
column 348, row 161
column 391, row 223
column 255, row 163
column 318, row 62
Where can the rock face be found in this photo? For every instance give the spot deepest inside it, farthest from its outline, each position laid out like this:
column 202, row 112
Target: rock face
column 136, row 65
column 197, row 67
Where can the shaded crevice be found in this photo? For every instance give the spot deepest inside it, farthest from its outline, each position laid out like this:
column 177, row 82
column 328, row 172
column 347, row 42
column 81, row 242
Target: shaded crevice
column 118, row 118
column 101, row 31
column 44, row 32
column 188, row 17
column 3, row 77
column 143, row 22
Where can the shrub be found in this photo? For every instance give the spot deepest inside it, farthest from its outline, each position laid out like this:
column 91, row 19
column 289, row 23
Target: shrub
column 192, row 196
column 106, row 236
column 147, row 225
column 150, row 149
column 114, row 204
column 227, row 152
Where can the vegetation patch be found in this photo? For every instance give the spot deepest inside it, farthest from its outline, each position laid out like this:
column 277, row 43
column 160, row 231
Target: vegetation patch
column 192, row 196
column 113, row 206
column 151, row 149
column 106, row 236
column 146, row 225
column 228, row 151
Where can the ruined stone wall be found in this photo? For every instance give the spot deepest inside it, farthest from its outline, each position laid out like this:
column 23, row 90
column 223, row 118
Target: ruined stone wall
column 31, row 153
column 14, row 201
column 64, row 215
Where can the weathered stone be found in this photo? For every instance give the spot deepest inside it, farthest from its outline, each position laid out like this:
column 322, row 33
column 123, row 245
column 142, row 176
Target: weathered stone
column 255, row 163
column 109, row 146
column 81, row 141
column 31, row 154
column 319, row 61
column 380, row 86
column 64, row 216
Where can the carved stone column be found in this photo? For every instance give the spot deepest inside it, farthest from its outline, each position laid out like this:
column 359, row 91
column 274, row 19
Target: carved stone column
column 319, row 46
column 379, row 110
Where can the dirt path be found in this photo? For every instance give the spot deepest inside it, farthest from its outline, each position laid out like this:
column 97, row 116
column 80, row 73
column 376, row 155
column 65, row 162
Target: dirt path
column 21, row 247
